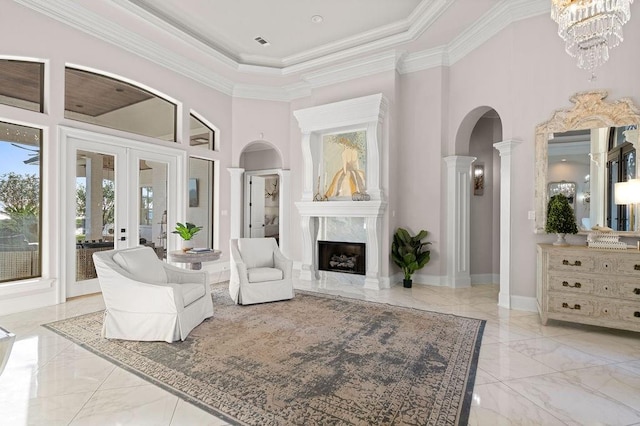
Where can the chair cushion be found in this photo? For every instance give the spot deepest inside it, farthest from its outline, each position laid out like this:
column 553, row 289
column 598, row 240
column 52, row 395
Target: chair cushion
column 256, row 252
column 142, row 263
column 191, row 293
column 258, row 275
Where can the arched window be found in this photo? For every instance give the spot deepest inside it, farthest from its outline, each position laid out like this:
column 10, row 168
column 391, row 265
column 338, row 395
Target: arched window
column 105, row 101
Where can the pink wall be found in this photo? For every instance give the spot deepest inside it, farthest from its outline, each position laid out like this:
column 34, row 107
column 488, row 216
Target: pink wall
column 525, row 75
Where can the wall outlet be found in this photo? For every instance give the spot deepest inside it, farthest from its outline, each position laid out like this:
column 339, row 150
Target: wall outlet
column 531, row 215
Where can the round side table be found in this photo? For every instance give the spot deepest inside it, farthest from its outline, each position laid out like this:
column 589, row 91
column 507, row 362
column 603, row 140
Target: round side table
column 194, row 259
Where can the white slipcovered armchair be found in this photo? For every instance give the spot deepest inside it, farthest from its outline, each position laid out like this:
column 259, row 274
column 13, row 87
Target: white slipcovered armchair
column 147, row 299
column 259, row 272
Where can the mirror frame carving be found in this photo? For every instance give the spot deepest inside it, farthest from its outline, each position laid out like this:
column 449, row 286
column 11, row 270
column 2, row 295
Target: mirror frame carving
column 590, row 110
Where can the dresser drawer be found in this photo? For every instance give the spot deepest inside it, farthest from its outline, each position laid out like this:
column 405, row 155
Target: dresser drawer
column 630, row 290
column 571, row 283
column 629, row 265
column 571, row 261
column 571, row 305
column 630, row 312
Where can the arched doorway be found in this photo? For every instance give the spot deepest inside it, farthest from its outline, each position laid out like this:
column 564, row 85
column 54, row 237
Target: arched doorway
column 473, row 200
column 265, row 192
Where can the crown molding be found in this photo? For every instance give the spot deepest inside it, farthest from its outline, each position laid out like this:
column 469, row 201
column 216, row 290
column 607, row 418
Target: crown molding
column 491, row 23
column 425, row 59
column 369, row 65
column 77, row 17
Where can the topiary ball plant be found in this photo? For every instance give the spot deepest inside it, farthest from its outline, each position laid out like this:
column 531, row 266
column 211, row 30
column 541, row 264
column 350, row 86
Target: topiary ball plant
column 560, row 218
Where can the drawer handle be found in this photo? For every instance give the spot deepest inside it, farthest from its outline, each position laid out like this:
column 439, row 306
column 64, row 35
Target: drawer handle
column 636, row 314
column 578, row 263
column 576, row 306
column 636, row 267
column 636, row 291
column 576, row 285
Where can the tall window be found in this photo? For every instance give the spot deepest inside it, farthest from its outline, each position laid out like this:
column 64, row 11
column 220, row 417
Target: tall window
column 22, row 84
column 104, row 101
column 20, row 202
column 200, row 200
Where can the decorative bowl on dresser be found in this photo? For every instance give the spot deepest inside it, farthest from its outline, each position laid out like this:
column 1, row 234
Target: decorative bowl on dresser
column 590, row 286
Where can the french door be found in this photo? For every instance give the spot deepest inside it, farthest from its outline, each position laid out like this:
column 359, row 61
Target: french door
column 118, row 193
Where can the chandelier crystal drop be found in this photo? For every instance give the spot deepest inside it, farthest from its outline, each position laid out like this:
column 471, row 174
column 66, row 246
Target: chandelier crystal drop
column 590, row 27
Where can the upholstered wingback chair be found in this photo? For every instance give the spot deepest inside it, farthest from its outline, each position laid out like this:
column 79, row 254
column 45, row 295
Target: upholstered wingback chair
column 259, row 272
column 147, row 299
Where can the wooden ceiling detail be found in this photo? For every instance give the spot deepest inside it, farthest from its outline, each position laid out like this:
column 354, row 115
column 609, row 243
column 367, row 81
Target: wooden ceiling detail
column 94, row 95
column 21, row 80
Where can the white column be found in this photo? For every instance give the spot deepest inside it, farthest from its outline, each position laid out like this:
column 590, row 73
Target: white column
column 374, row 253
column 285, row 210
column 308, row 270
column 235, row 207
column 505, row 148
column 458, row 220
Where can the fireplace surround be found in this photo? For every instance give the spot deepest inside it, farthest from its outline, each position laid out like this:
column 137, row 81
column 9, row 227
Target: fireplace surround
column 366, row 114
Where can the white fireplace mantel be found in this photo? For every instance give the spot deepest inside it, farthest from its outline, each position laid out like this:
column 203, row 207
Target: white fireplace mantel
column 368, row 113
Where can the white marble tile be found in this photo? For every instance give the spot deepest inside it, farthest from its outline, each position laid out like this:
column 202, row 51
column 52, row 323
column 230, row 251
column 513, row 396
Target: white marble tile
column 504, row 363
column 612, row 380
column 50, row 411
column 482, row 377
column 136, row 406
column 496, row 404
column 604, row 343
column 188, row 415
column 70, row 372
column 505, row 332
column 633, row 366
column 556, row 355
column 572, row 403
column 121, row 378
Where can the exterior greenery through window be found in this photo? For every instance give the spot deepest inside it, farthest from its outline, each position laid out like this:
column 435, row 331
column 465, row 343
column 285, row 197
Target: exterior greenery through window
column 20, row 202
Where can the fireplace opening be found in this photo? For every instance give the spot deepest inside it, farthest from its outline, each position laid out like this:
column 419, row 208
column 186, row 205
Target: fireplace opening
column 340, row 256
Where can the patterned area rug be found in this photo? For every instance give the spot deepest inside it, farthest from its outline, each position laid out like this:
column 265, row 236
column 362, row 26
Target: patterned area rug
column 313, row 360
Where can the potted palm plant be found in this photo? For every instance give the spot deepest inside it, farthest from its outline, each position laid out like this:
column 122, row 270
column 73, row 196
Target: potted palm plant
column 560, row 219
column 409, row 253
column 186, row 232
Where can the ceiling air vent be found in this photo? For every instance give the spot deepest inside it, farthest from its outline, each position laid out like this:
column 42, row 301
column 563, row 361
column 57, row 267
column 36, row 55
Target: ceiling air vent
column 262, row 41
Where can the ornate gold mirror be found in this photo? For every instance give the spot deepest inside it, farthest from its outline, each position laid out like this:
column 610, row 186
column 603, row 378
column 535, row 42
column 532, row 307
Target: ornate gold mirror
column 593, row 144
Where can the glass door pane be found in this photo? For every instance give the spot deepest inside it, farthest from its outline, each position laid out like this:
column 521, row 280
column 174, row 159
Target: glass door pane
column 152, row 205
column 95, row 209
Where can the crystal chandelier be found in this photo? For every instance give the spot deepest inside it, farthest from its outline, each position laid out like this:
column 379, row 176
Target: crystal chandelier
column 590, row 27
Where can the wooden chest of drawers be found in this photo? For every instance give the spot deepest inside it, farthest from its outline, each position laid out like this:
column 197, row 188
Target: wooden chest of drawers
column 590, row 286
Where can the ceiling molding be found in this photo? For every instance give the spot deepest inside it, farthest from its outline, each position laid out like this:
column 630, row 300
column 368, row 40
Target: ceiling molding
column 369, row 65
column 77, row 17
column 490, row 24
column 425, row 59
column 175, row 29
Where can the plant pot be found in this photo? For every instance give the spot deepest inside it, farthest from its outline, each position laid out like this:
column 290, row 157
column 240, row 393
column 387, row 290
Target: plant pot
column 187, row 245
column 561, row 241
column 407, row 283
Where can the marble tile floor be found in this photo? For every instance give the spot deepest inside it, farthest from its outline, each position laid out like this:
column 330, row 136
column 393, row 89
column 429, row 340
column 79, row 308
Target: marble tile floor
column 528, row 374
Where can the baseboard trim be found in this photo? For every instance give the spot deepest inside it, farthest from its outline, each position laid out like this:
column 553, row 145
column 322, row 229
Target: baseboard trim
column 522, row 303
column 485, row 279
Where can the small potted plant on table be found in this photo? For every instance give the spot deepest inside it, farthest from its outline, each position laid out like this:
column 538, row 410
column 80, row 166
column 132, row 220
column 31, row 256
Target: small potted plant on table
column 186, row 232
column 409, row 253
column 560, row 219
